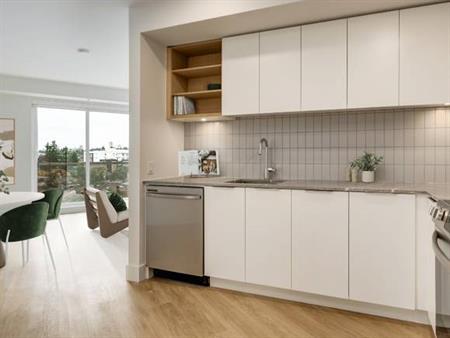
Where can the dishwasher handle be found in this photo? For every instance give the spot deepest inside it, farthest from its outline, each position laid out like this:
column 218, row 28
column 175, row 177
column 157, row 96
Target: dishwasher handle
column 173, row 196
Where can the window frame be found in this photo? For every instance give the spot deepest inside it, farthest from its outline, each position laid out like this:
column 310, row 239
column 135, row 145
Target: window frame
column 85, row 106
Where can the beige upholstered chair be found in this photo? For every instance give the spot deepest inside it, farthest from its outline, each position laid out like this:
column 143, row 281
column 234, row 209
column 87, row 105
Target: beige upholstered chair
column 101, row 213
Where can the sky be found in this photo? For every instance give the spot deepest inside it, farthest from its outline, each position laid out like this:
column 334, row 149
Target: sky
column 68, row 128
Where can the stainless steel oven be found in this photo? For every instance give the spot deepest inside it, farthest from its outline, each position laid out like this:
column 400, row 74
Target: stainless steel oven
column 441, row 247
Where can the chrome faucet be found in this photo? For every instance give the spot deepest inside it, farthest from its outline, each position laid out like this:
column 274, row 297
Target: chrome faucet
column 268, row 172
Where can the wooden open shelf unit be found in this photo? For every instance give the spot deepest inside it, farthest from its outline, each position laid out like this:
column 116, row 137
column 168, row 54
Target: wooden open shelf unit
column 190, row 68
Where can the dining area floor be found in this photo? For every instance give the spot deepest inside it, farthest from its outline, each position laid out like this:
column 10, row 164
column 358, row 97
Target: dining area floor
column 88, row 296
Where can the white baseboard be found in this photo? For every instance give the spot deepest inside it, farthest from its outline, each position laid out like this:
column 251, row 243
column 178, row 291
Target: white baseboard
column 137, row 273
column 343, row 304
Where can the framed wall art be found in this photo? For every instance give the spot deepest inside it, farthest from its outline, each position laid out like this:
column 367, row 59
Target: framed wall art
column 7, row 148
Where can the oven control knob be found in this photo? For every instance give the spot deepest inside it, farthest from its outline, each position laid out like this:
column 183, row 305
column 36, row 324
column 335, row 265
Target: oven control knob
column 431, row 211
column 434, row 212
column 445, row 216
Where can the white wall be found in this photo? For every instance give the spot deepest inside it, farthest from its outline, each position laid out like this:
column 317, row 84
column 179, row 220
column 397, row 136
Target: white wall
column 68, row 90
column 39, row 39
column 155, row 15
column 19, row 108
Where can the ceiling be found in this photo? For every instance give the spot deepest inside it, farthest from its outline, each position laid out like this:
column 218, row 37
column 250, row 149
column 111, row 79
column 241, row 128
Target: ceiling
column 39, row 39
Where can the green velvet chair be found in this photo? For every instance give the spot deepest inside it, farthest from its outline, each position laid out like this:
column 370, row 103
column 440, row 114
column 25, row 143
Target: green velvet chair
column 24, row 223
column 54, row 199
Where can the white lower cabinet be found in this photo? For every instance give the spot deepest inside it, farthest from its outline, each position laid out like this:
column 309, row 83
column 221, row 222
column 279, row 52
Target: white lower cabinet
column 320, row 242
column 225, row 233
column 360, row 246
column 382, row 249
column 268, row 237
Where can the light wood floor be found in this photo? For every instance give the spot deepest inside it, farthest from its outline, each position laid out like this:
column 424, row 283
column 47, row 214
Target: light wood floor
column 89, row 297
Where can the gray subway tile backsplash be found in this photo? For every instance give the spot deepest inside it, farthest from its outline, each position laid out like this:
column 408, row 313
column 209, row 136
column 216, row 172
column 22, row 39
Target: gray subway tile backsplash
column 414, row 142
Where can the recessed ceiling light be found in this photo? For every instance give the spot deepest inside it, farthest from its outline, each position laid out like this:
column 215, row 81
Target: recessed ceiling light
column 83, row 50
column 203, row 119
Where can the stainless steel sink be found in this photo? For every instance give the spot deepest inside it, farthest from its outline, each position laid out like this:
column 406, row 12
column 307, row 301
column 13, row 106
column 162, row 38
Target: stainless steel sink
column 255, row 181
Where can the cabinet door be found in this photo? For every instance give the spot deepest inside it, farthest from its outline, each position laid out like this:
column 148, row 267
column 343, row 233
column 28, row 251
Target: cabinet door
column 373, row 52
column 426, row 282
column 240, row 75
column 382, row 249
column 268, row 237
column 280, row 70
column 225, row 233
column 320, row 242
column 425, row 55
column 324, row 65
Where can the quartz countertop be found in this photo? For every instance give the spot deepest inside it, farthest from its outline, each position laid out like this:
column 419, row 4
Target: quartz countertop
column 437, row 191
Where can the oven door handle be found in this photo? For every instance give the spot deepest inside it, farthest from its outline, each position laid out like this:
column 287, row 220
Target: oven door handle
column 442, row 258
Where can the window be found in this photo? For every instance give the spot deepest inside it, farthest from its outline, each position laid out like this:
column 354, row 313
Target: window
column 61, row 145
column 79, row 148
column 108, row 151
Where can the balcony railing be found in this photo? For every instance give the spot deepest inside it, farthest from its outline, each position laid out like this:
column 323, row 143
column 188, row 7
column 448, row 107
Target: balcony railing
column 71, row 176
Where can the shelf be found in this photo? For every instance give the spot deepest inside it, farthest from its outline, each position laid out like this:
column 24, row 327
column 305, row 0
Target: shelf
column 200, row 117
column 190, row 69
column 203, row 94
column 199, row 48
column 199, row 71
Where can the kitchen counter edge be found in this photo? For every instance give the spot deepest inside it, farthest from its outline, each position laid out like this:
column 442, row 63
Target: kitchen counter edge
column 436, row 191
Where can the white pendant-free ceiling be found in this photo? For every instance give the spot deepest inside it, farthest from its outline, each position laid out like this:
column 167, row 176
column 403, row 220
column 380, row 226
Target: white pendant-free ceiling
column 41, row 39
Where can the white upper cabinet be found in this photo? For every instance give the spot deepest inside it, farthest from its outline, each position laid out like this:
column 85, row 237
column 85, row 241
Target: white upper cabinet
column 225, row 233
column 382, row 249
column 320, row 242
column 378, row 60
column 280, row 70
column 268, row 237
column 425, row 55
column 324, row 65
column 240, row 75
column 373, row 54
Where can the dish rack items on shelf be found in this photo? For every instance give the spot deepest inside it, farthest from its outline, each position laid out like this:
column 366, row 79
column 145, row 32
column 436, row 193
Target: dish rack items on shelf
column 194, row 81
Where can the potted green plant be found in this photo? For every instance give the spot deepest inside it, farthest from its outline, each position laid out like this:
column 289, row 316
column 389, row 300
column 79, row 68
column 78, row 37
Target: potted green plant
column 367, row 164
column 3, row 180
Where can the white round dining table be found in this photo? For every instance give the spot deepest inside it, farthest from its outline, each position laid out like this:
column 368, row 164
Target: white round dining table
column 11, row 201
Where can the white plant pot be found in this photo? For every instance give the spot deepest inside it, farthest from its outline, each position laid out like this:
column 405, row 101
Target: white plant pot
column 368, row 176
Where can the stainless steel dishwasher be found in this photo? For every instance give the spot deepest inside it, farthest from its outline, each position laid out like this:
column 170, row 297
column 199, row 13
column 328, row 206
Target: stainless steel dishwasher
column 174, row 220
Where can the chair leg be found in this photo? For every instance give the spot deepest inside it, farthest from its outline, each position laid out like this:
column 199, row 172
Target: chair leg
column 28, row 250
column 23, row 254
column 62, row 230
column 49, row 250
column 7, row 245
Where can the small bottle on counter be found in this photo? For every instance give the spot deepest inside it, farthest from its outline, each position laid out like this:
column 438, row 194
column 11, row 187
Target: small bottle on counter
column 355, row 173
column 348, row 176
